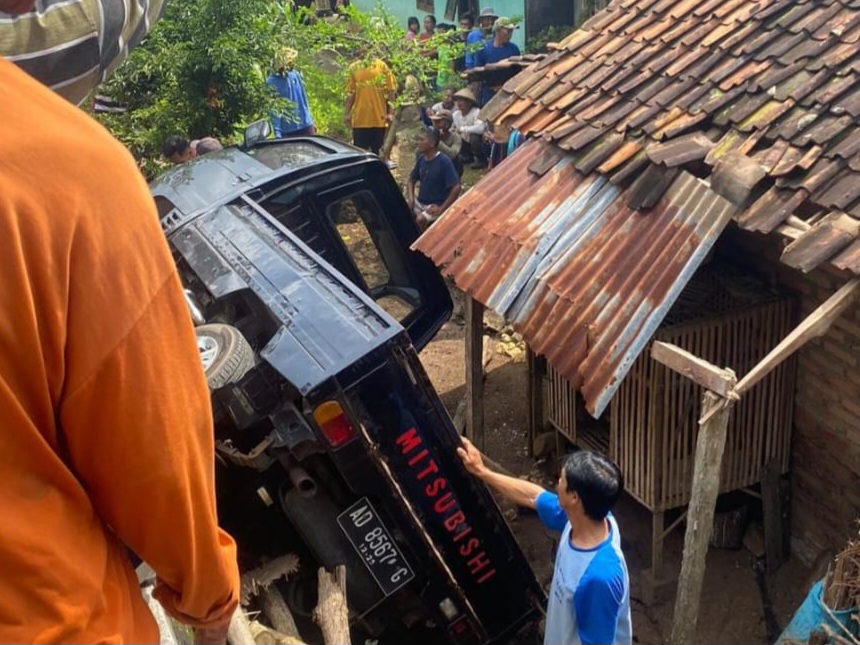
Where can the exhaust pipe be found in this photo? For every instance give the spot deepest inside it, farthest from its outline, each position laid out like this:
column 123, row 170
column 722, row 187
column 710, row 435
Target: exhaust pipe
column 303, row 482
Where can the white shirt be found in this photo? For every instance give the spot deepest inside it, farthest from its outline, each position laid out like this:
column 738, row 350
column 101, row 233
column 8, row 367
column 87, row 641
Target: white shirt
column 469, row 123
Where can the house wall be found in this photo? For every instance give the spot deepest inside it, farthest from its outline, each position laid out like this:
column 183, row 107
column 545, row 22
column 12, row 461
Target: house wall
column 542, row 14
column 825, row 466
column 402, row 9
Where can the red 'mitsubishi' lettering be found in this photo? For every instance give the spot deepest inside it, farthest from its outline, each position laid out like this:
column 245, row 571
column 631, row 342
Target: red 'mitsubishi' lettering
column 454, row 521
column 436, row 487
column 479, row 563
column 409, row 441
column 431, row 468
column 446, row 506
column 469, row 546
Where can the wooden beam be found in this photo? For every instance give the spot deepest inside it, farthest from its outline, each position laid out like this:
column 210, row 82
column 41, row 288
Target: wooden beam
column 332, row 611
column 707, row 466
column 772, row 510
column 815, row 325
column 475, row 372
column 696, row 369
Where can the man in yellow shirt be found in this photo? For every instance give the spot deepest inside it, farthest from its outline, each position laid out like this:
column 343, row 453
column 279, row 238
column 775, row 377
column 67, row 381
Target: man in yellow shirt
column 370, row 91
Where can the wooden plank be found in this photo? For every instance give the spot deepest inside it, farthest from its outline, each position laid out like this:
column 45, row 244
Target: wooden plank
column 700, row 518
column 772, row 508
column 696, row 369
column 815, row 325
column 657, row 536
column 475, row 372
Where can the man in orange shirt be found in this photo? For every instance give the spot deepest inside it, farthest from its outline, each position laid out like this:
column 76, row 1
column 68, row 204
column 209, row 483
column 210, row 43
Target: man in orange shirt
column 106, row 439
column 370, row 91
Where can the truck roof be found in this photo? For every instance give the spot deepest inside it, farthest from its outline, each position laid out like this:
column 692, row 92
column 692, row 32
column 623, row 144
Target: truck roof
column 325, row 322
column 217, row 177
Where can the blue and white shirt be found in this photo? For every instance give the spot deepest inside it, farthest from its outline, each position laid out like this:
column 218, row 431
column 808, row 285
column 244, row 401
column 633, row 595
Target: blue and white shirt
column 291, row 86
column 589, row 600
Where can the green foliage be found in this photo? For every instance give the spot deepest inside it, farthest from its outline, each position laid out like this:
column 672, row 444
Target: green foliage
column 537, row 44
column 202, row 70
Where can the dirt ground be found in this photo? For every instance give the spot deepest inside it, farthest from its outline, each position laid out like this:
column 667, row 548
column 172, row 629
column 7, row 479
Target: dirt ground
column 731, row 609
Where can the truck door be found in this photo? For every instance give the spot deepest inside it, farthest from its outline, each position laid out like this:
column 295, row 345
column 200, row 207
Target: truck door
column 356, row 218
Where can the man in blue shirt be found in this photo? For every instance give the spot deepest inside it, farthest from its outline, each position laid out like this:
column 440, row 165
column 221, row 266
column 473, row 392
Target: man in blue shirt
column 440, row 183
column 477, row 34
column 589, row 600
column 287, row 83
column 495, row 51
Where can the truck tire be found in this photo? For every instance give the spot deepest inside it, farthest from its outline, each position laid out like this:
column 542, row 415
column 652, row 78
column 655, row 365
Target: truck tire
column 225, row 354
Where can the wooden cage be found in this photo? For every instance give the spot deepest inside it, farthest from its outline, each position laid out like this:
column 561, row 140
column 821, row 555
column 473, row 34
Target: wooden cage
column 651, row 425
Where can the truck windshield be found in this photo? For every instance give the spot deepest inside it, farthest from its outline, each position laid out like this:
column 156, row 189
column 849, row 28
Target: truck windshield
column 363, row 231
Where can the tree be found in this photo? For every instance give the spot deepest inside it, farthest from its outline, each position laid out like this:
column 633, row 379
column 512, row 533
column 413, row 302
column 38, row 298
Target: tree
column 202, row 69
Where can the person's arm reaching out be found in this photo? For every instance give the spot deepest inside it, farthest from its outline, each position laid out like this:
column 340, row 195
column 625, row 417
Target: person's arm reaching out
column 518, row 491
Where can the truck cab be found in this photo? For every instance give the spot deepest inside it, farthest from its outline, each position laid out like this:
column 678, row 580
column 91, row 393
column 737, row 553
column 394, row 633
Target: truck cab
column 332, row 444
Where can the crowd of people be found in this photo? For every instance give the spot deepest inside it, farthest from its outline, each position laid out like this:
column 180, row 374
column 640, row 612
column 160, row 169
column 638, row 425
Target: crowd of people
column 451, row 129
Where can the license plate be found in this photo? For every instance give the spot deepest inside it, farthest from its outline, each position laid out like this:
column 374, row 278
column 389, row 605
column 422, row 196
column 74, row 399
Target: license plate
column 373, row 542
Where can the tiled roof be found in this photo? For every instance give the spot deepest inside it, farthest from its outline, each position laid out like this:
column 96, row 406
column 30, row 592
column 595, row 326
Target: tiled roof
column 765, row 92
column 513, row 65
column 584, row 277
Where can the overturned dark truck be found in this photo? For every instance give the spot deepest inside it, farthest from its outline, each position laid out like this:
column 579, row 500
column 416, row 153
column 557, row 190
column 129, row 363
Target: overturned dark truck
column 331, row 441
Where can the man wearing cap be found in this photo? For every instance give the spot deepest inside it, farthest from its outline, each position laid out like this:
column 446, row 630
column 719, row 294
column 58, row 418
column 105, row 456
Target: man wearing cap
column 468, row 124
column 495, row 51
column 287, row 82
column 478, row 35
column 450, row 142
column 440, row 185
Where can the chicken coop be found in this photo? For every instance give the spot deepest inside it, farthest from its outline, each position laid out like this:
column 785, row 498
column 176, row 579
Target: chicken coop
column 649, row 429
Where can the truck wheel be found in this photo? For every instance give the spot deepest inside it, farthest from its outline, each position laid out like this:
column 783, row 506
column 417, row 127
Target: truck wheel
column 225, row 354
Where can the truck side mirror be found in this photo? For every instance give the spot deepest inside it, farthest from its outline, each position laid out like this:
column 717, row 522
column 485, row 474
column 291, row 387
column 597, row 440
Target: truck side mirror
column 256, row 132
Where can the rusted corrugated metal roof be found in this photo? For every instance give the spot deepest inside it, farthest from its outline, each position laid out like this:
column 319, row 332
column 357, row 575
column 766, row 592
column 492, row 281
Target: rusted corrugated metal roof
column 776, row 80
column 585, row 279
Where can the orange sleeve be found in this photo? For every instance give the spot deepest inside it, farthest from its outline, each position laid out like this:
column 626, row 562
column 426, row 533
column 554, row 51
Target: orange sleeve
column 139, row 434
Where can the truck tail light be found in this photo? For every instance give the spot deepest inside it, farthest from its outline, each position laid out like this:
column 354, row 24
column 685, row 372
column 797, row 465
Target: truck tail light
column 463, row 631
column 334, row 423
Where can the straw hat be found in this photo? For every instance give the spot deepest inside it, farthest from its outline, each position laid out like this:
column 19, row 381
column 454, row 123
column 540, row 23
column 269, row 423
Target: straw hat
column 467, row 94
column 285, row 58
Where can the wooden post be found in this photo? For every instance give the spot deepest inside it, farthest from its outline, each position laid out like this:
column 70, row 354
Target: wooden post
column 707, row 466
column 534, row 396
column 332, row 612
column 657, row 526
column 722, row 391
column 475, row 372
column 772, row 510
column 276, row 610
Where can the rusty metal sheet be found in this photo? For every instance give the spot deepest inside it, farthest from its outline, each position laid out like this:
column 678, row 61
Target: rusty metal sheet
column 586, row 279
